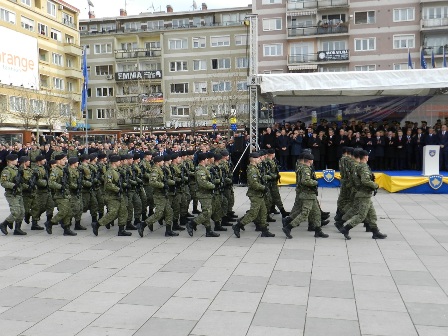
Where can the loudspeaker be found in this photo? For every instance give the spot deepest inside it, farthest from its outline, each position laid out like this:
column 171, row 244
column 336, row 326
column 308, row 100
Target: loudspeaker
column 238, row 144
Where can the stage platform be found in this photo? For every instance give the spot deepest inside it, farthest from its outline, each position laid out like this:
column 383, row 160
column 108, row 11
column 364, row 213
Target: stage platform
column 408, row 181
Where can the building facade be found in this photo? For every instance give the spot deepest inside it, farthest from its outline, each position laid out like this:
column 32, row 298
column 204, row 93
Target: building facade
column 172, row 69
column 44, row 36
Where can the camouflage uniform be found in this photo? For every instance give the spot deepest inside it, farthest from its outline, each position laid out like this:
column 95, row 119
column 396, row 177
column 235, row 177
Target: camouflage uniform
column 13, row 194
column 58, row 183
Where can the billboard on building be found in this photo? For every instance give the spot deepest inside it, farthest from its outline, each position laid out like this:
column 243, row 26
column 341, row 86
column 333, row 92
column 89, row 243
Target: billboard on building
column 19, row 64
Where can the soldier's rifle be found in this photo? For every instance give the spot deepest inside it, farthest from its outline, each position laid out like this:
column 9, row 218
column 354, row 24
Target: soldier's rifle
column 64, row 180
column 17, row 181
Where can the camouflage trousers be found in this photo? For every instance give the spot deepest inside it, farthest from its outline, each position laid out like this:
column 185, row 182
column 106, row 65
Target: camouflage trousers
column 116, row 208
column 134, row 205
column 363, row 211
column 76, row 203
column 206, row 214
column 16, row 208
column 162, row 209
column 276, row 198
column 344, row 197
column 309, row 212
column 64, row 211
column 219, row 203
column 149, row 204
column 229, row 198
column 43, row 203
column 29, row 199
column 90, row 202
column 257, row 212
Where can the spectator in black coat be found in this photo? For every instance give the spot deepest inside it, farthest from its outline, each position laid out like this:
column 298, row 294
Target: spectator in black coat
column 296, row 146
column 283, row 143
column 409, row 149
column 268, row 139
column 391, row 151
column 419, row 143
column 431, row 139
column 332, row 145
column 401, row 151
column 379, row 144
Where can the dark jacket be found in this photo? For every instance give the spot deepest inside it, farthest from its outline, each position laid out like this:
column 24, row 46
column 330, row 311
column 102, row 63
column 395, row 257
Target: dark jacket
column 283, row 141
column 379, row 145
column 296, row 145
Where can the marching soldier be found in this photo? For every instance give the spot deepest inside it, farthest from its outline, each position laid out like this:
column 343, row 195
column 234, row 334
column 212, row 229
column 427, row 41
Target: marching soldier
column 275, row 175
column 87, row 193
column 176, row 200
column 218, row 201
column 75, row 186
column 34, row 153
column 145, row 167
column 255, row 192
column 102, row 169
column 11, row 180
column 43, row 200
column 134, row 200
column 184, row 191
column 28, row 186
column 228, row 193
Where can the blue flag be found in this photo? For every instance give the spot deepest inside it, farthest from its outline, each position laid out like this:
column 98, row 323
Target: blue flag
column 444, row 58
column 409, row 60
column 86, row 80
column 423, row 61
column 433, row 61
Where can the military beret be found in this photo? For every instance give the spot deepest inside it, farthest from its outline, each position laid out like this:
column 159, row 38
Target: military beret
column 158, row 159
column 136, row 156
column 52, row 162
column 93, row 156
column 300, row 157
column 190, row 152
column 424, row 122
column 183, row 153
column 40, row 158
column 123, row 157
column 147, row 153
column 59, row 157
column 363, row 153
column 24, row 159
column 350, row 150
column 262, row 152
column 72, row 160
column 84, row 157
column 306, row 150
column 308, row 156
column 167, row 157
column 254, row 155
column 217, row 156
column 202, row 156
column 102, row 156
column 271, row 151
column 210, row 155
column 129, row 157
column 114, row 158
column 224, row 152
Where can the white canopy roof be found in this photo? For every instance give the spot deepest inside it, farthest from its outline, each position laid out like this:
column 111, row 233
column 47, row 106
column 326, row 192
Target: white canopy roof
column 356, row 83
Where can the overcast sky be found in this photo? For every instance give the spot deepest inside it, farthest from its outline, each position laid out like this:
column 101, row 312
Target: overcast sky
column 107, row 8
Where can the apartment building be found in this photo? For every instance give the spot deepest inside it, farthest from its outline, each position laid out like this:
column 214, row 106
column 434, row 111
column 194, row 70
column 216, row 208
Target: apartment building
column 40, row 81
column 175, row 69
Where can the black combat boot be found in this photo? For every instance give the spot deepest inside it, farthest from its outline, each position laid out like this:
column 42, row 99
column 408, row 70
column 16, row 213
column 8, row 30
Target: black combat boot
column 338, row 216
column 122, row 232
column 48, row 226
column 141, row 228
column 287, row 230
column 144, row 216
column 177, row 227
column 195, row 209
column 378, row 235
column 94, row 218
column 339, row 225
column 130, row 226
column 310, row 227
column 324, row 215
column 218, row 227
column 269, row 219
column 79, row 227
column 210, row 233
column 68, row 232
column 284, row 212
column 18, row 231
column 228, row 219
column 257, row 226
column 95, row 227
column 367, row 226
column 324, row 222
column 150, row 212
column 319, row 234
column 274, row 210
column 191, row 225
column 183, row 221
column 189, row 215
column 236, row 228
column 169, row 232
column 27, row 218
column 4, row 227
column 287, row 220
column 345, row 230
column 136, row 221
column 224, row 222
column 35, row 226
column 231, row 214
column 100, row 215
column 265, row 233
column 49, row 217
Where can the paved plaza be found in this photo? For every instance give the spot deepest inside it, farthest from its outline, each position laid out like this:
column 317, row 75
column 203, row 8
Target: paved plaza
column 122, row 286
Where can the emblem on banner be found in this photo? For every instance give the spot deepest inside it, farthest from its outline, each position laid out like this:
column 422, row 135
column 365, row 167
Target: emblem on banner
column 328, row 175
column 435, row 181
column 432, row 153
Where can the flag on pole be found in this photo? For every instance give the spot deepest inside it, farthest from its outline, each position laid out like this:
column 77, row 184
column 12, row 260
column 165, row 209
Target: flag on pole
column 422, row 60
column 444, row 58
column 433, row 61
column 86, row 79
column 409, row 60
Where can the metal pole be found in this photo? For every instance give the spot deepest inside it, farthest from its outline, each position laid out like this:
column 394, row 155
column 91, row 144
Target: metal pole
column 253, row 80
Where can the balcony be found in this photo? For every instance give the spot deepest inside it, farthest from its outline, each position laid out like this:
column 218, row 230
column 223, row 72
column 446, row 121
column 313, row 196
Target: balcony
column 438, row 50
column 318, row 30
column 73, row 73
column 294, row 5
column 72, row 49
column 68, row 23
column 431, row 23
column 137, row 53
column 152, row 98
column 320, row 57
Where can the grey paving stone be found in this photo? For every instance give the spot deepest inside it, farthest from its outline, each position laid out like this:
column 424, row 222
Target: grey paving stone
column 44, row 279
column 241, row 302
column 413, row 278
column 111, row 245
column 100, row 331
column 260, row 258
column 436, row 250
column 423, row 294
column 428, row 314
column 33, row 310
column 286, row 295
column 374, row 283
column 167, row 279
column 283, row 278
column 93, row 302
column 219, row 274
column 70, row 266
column 183, row 266
column 272, row 331
column 241, row 283
column 13, row 328
column 280, row 316
column 11, row 261
column 299, row 254
column 332, row 308
column 149, row 296
column 183, row 308
column 13, row 295
column 166, row 327
column 385, row 323
column 431, row 330
column 384, row 301
column 124, row 316
column 216, row 323
column 331, row 273
column 334, row 289
column 114, row 262
column 328, row 326
column 200, row 289
column 118, row 285
column 293, row 265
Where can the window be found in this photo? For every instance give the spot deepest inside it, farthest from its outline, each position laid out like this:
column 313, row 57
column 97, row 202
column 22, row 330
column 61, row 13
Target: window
column 70, row 87
column 201, row 111
column 404, row 14
column 51, row 8
column 430, row 13
column 69, row 39
column 179, row 88
column 150, row 66
column 275, row 49
column 17, row 104
column 133, row 26
column 404, row 41
column 200, row 87
column 26, row 2
column 242, row 62
column 7, row 16
column 106, row 27
column 69, row 62
column 58, row 83
column 105, row 92
column 129, row 46
column 42, row 29
column 240, row 40
column 37, row 106
column 403, row 66
column 365, row 17
column 105, row 48
column 219, row 41
column 371, row 67
column 333, row 69
column 272, row 24
column 178, row 66
column 89, row 114
column 333, row 19
column 177, row 44
column 104, row 70
column 271, row 2
column 56, row 35
column 27, row 24
column 104, row 113
column 333, row 45
column 57, row 59
column 199, row 42
column 64, row 110
column 67, row 20
column 199, row 65
column 89, row 92
column 365, row 44
column 152, row 45
column 220, row 63
column 221, row 86
column 180, row 111
column 155, row 25
column 241, row 86
column 179, row 23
